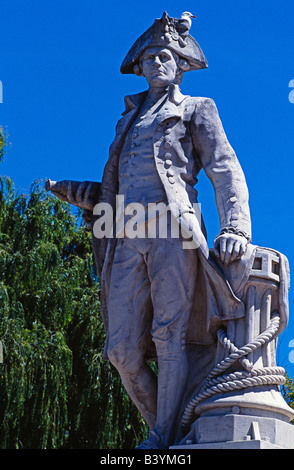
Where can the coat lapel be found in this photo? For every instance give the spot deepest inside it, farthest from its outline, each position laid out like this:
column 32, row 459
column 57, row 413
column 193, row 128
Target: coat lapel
column 171, row 109
column 132, row 105
column 121, row 131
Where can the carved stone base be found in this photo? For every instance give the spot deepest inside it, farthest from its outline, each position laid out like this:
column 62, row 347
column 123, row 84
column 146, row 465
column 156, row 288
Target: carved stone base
column 252, row 444
column 239, row 431
column 262, row 401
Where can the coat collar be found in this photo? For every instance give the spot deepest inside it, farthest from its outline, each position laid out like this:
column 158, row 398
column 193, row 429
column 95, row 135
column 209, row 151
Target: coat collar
column 134, row 101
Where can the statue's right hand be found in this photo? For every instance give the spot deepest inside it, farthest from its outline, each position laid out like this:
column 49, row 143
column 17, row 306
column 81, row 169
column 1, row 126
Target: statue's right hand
column 81, row 196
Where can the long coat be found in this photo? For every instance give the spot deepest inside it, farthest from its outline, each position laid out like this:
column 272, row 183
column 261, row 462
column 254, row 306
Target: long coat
column 189, row 130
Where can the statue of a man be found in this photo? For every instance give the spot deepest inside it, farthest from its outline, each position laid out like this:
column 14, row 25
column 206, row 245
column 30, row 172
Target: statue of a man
column 148, row 285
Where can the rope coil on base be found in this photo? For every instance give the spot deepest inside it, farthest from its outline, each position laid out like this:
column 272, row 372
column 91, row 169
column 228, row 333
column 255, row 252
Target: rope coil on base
column 216, row 383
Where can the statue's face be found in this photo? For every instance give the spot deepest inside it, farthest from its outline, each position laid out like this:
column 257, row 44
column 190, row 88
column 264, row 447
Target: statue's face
column 159, row 66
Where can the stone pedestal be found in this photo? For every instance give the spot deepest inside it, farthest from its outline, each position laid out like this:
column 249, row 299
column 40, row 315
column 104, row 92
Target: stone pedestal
column 252, row 444
column 240, row 405
column 239, row 431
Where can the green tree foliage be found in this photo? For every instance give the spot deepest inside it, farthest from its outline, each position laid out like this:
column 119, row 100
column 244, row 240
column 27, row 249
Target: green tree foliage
column 288, row 391
column 55, row 389
column 3, row 142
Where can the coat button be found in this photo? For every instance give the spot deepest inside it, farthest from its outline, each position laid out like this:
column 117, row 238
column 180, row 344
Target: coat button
column 168, row 163
column 171, row 180
column 167, row 131
column 170, row 173
column 167, row 155
column 233, row 199
column 167, row 145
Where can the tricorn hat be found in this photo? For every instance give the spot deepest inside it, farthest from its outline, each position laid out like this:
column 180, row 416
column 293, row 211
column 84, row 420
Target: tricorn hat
column 167, row 32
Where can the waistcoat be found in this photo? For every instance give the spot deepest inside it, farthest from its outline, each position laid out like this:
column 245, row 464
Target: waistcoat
column 138, row 177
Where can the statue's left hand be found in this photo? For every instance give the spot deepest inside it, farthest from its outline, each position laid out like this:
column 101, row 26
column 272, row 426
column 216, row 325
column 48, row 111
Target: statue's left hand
column 229, row 247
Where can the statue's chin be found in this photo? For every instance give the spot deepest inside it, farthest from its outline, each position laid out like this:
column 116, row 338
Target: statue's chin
column 159, row 81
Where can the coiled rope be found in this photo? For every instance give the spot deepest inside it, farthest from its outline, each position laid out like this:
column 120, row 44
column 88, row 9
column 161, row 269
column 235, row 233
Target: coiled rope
column 216, row 383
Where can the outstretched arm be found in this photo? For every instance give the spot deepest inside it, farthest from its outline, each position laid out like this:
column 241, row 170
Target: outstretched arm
column 83, row 194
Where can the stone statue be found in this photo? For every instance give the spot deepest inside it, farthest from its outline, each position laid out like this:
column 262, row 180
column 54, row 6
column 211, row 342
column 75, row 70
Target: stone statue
column 208, row 317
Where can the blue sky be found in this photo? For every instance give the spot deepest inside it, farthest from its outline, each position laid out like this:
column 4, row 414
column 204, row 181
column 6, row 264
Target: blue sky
column 63, row 93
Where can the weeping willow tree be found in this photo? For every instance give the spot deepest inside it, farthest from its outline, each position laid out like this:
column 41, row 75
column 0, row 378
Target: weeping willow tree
column 3, row 142
column 55, row 390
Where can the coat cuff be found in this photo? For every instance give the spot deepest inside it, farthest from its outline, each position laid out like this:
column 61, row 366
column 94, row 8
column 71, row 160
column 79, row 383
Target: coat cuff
column 235, row 231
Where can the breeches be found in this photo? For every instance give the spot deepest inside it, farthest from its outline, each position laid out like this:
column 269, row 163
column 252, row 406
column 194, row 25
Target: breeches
column 151, row 295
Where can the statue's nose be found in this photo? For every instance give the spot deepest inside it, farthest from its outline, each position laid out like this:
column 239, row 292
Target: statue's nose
column 156, row 62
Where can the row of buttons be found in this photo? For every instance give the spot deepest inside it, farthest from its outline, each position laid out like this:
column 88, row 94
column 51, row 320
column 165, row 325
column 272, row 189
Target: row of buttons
column 167, row 146
column 235, row 215
column 183, row 339
column 135, row 135
column 168, row 163
column 133, row 144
